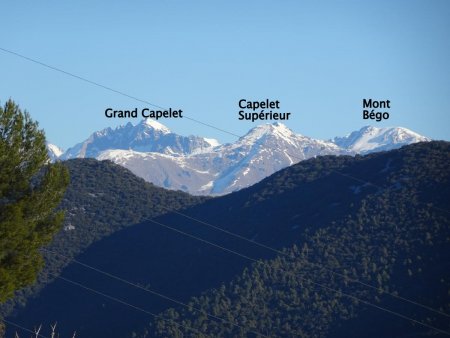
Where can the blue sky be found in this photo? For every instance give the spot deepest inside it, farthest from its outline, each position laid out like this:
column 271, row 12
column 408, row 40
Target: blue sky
column 318, row 58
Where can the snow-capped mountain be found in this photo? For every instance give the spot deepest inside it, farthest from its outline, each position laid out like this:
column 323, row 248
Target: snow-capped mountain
column 54, row 152
column 147, row 136
column 202, row 166
column 264, row 150
column 371, row 139
column 222, row 169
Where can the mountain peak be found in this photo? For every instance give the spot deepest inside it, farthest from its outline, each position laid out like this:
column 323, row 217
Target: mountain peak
column 55, row 149
column 212, row 141
column 368, row 129
column 370, row 139
column 278, row 129
column 156, row 125
column 54, row 152
column 282, row 128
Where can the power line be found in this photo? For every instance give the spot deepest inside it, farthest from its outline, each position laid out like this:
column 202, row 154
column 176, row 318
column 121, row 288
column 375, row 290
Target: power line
column 381, row 188
column 152, row 292
column 23, row 328
column 253, row 260
column 79, row 77
column 201, row 240
column 152, row 104
column 107, row 88
column 155, row 105
column 383, row 309
column 209, row 125
column 305, row 279
column 124, row 303
column 309, row 262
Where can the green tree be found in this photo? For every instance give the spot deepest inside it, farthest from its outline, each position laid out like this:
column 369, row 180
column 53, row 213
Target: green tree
column 30, row 190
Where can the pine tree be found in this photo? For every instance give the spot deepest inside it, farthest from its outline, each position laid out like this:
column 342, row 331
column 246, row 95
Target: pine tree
column 30, row 190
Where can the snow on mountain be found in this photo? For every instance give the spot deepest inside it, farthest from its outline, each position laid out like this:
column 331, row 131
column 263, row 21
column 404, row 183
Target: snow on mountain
column 264, row 150
column 171, row 172
column 212, row 142
column 54, row 152
column 371, row 139
column 202, row 166
column 147, row 136
column 225, row 168
column 155, row 125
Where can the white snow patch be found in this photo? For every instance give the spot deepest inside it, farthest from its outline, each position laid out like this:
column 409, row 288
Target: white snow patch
column 201, row 171
column 212, row 141
column 57, row 151
column 207, row 186
column 156, row 126
column 291, row 162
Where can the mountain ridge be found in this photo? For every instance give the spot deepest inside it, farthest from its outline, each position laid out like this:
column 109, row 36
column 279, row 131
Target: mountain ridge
column 370, row 139
column 203, row 166
column 147, row 136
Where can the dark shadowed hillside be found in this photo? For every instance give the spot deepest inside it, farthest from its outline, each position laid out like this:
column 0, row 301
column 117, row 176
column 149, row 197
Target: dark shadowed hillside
column 391, row 233
column 393, row 240
column 101, row 199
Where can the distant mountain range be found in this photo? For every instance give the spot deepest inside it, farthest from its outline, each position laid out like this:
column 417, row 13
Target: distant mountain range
column 202, row 166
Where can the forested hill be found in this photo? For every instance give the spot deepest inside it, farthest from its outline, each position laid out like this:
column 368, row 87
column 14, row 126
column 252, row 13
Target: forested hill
column 381, row 219
column 104, row 197
column 396, row 239
column 101, row 199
